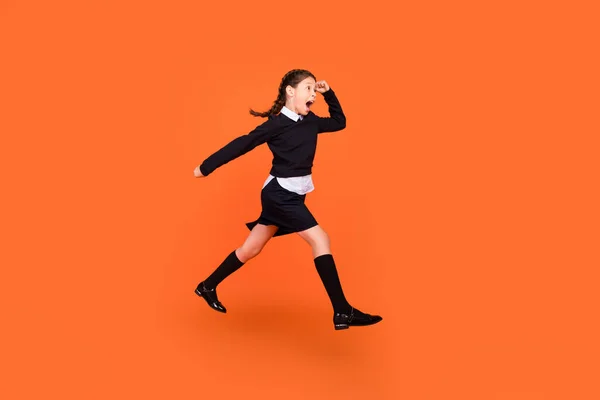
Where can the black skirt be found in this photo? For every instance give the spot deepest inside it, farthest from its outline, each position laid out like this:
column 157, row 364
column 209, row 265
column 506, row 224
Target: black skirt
column 284, row 209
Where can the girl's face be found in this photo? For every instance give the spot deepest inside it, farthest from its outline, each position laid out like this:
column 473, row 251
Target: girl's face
column 300, row 98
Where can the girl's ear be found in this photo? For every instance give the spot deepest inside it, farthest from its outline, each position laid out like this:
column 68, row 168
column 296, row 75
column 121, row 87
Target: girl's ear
column 290, row 91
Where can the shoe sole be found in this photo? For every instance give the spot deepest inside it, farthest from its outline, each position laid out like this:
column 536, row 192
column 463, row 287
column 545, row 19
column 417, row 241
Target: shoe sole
column 339, row 327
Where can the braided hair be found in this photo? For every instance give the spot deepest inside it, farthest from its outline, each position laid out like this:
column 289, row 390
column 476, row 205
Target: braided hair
column 292, row 78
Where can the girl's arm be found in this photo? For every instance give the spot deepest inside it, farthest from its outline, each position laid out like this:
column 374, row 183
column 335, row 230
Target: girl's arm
column 236, row 148
column 337, row 119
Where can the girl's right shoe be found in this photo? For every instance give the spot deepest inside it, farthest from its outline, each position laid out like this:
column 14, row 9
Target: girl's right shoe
column 354, row 318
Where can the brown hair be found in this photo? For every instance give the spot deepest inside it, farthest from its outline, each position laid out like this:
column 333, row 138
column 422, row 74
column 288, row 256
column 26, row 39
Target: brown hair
column 292, row 78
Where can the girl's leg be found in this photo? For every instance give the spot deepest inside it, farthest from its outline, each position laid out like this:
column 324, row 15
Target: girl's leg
column 253, row 245
column 256, row 241
column 344, row 314
column 318, row 239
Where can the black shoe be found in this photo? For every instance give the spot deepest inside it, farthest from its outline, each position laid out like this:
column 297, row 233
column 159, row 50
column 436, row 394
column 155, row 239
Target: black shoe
column 210, row 295
column 344, row 321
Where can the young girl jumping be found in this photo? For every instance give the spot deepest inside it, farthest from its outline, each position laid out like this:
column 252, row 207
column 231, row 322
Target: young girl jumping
column 291, row 132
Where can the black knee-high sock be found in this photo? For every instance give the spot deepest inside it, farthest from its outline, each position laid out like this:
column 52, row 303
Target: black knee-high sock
column 227, row 267
column 328, row 273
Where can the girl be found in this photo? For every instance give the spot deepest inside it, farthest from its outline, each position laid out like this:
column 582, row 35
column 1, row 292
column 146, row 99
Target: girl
column 291, row 133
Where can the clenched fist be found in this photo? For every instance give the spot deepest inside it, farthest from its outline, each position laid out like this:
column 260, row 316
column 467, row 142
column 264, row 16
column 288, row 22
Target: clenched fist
column 321, row 87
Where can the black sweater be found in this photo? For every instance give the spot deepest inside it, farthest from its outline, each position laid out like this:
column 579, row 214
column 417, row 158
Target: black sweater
column 293, row 144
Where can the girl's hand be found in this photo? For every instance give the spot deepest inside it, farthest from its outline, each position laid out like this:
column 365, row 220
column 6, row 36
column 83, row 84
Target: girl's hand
column 197, row 172
column 321, row 87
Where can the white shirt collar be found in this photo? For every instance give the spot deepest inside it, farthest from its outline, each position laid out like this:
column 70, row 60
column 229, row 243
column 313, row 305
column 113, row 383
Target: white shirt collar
column 290, row 114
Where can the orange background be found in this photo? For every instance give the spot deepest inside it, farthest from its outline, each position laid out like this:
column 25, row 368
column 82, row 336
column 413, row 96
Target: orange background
column 461, row 200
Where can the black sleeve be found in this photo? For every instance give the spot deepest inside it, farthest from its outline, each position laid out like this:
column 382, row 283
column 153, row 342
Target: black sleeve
column 337, row 119
column 239, row 146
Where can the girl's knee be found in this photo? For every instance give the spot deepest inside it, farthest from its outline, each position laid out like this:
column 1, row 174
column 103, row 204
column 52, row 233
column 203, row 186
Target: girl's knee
column 316, row 237
column 247, row 252
column 321, row 244
column 323, row 239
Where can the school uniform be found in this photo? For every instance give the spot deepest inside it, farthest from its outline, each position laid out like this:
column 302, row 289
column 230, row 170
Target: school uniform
column 292, row 140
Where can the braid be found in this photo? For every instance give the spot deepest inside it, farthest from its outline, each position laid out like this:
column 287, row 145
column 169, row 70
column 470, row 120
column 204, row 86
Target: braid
column 277, row 106
column 292, row 77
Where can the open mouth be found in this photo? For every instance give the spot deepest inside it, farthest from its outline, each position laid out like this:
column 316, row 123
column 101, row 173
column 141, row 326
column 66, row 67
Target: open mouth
column 308, row 104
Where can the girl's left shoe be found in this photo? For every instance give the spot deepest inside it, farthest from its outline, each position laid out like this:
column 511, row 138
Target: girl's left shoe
column 210, row 295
